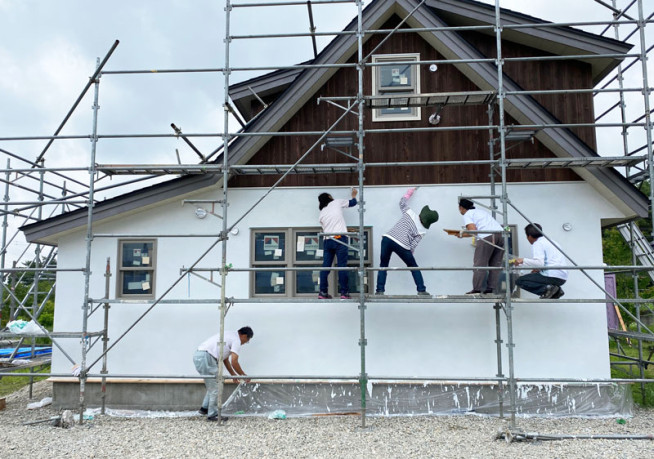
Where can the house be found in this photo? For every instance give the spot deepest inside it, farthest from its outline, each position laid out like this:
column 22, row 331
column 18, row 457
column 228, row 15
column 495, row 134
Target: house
column 404, row 339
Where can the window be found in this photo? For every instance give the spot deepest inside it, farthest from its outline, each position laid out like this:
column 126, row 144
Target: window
column 392, row 80
column 136, row 261
column 513, row 240
column 298, row 247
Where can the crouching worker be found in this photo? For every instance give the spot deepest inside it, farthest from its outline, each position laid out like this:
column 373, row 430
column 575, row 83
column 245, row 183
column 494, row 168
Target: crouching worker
column 543, row 282
column 332, row 222
column 206, row 362
column 402, row 240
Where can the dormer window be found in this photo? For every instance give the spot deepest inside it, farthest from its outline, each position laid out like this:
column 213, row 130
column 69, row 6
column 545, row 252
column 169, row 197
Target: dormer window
column 390, row 83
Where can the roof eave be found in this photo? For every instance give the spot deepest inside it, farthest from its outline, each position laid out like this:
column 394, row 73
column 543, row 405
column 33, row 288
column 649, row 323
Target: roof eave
column 558, row 40
column 42, row 231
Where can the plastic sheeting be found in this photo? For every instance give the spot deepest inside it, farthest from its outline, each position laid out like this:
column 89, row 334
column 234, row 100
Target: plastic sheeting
column 413, row 399
column 402, row 399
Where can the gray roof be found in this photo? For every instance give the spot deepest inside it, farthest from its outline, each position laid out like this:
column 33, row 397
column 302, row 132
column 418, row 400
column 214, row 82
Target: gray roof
column 449, row 43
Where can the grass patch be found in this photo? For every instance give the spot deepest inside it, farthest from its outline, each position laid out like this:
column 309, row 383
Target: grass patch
column 10, row 384
column 632, row 371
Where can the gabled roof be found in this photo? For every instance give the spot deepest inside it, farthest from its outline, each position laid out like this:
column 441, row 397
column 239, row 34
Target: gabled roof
column 555, row 40
column 448, row 43
column 243, row 94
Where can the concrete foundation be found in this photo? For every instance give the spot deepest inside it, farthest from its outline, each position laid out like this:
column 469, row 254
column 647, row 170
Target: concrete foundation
column 298, row 398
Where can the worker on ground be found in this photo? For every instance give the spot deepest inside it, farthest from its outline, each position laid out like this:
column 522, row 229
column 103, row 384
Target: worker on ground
column 488, row 250
column 543, row 282
column 402, row 240
column 206, row 362
column 332, row 222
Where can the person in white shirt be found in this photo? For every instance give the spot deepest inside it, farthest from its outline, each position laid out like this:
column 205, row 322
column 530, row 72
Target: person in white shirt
column 489, row 249
column 206, row 363
column 543, row 282
column 332, row 221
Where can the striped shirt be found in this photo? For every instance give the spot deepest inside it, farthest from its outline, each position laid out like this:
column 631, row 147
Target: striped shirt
column 408, row 231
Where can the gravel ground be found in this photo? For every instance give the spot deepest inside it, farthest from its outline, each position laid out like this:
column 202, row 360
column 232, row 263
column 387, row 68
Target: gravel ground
column 329, row 437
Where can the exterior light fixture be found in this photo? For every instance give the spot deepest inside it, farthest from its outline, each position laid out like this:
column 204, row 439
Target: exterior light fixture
column 567, row 227
column 433, row 67
column 434, row 119
column 200, row 213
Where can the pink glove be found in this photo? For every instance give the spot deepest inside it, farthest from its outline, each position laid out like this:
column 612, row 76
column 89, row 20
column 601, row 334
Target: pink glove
column 409, row 192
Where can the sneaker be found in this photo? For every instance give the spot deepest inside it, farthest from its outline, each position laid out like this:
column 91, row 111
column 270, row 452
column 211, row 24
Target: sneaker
column 473, row 292
column 324, row 296
column 488, row 292
column 558, row 294
column 550, row 291
column 425, row 293
column 203, row 411
column 345, row 296
column 379, row 292
column 214, row 418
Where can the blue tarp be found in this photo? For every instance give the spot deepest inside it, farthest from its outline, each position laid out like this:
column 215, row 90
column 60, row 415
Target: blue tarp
column 25, row 352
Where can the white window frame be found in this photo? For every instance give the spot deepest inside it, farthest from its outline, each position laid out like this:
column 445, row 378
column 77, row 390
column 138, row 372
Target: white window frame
column 413, row 113
column 289, row 258
column 151, row 268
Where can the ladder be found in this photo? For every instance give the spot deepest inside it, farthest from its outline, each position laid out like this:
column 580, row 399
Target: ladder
column 640, row 245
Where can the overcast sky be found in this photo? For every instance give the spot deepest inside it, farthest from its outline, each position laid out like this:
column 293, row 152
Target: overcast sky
column 48, row 49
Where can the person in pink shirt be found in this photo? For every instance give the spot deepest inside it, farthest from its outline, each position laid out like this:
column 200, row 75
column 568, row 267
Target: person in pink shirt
column 332, row 222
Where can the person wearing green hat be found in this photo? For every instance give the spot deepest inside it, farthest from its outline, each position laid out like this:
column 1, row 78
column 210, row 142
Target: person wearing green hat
column 402, row 240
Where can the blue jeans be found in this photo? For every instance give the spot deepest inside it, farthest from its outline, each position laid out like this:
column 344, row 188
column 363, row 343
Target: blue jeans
column 388, row 247
column 207, row 365
column 333, row 249
column 537, row 283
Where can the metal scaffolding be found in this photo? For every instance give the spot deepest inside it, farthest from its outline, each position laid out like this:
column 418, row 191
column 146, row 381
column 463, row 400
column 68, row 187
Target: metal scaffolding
column 75, row 194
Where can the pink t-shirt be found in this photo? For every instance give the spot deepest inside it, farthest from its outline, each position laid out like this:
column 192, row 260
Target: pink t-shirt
column 331, row 217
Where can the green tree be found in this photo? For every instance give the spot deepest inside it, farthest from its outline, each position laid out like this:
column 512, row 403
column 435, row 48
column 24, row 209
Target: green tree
column 18, row 287
column 617, row 252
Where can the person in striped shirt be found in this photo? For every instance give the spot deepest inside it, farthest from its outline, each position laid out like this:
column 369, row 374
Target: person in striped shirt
column 402, row 240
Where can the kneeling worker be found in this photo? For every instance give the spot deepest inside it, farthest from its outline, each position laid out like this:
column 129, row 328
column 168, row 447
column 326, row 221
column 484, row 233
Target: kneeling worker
column 543, row 282
column 206, row 362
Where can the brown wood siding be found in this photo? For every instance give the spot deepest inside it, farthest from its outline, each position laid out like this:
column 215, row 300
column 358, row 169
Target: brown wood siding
column 430, row 146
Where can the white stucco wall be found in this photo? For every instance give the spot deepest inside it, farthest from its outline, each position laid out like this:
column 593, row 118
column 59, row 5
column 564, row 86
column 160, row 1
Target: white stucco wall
column 552, row 340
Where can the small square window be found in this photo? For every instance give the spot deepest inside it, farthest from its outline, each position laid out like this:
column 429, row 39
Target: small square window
column 307, row 282
column 270, row 282
column 270, row 246
column 136, row 268
column 398, row 77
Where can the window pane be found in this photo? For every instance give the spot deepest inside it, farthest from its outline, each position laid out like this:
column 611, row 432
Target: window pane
column 396, row 76
column 269, row 246
column 268, row 282
column 307, row 281
column 137, row 254
column 136, row 283
column 397, row 111
column 308, row 246
column 355, row 286
column 354, row 254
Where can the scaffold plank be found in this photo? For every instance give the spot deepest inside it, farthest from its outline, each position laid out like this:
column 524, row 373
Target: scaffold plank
column 350, row 168
column 427, row 100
